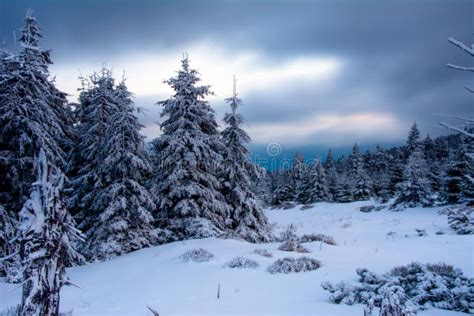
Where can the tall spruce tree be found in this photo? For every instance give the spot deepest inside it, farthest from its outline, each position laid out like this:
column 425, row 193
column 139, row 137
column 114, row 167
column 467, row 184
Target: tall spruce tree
column 456, row 182
column 45, row 237
column 332, row 176
column 34, row 114
column 187, row 160
column 415, row 189
column 396, row 171
column 124, row 220
column 361, row 185
column 381, row 174
column 299, row 172
column 413, row 139
column 247, row 218
column 97, row 104
column 344, row 189
column 315, row 185
column 435, row 166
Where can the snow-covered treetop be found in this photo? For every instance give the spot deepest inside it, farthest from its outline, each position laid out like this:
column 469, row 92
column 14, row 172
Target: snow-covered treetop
column 30, row 32
column 234, row 137
column 30, row 36
column 187, row 110
column 329, row 159
column 413, row 138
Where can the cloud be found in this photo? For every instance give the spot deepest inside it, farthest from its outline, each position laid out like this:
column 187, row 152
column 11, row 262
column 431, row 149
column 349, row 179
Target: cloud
column 294, row 61
column 145, row 72
column 335, row 129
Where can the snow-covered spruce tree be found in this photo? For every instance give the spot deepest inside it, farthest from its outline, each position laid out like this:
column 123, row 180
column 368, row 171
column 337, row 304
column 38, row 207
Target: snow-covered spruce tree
column 362, row 188
column 315, row 187
column 97, row 104
column 34, row 114
column 415, row 190
column 381, row 174
column 455, row 181
column 332, row 176
column 262, row 186
column 46, row 232
column 282, row 194
column 434, row 168
column 187, row 158
column 344, row 190
column 247, row 219
column 299, row 172
column 396, row 171
column 460, row 219
column 124, row 220
column 413, row 140
column 282, row 188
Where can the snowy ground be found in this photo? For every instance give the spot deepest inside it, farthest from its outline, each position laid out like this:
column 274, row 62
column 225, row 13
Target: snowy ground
column 157, row 277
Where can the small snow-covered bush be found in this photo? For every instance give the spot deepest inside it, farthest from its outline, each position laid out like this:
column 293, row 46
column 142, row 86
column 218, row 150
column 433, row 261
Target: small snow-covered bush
column 289, row 233
column 294, row 246
column 263, row 253
column 241, row 263
column 292, row 265
column 437, row 285
column 197, row 255
column 318, row 237
column 291, row 241
column 461, row 219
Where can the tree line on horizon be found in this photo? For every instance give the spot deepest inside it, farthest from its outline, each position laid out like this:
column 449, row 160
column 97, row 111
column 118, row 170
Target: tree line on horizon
column 423, row 172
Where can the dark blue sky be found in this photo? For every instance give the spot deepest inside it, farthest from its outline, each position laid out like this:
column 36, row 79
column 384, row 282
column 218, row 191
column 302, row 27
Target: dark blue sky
column 311, row 73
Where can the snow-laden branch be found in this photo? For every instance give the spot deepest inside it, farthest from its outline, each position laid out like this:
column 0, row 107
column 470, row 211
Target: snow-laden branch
column 465, row 120
column 9, row 256
column 461, row 45
column 457, row 129
column 452, row 66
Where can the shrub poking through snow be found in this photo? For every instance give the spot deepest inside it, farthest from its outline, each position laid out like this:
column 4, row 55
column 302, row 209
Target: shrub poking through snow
column 291, row 241
column 437, row 285
column 289, row 233
column 292, row 265
column 293, row 245
column 318, row 237
column 461, row 219
column 263, row 253
column 197, row 255
column 241, row 263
